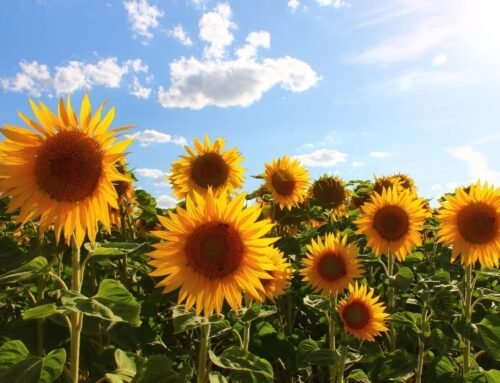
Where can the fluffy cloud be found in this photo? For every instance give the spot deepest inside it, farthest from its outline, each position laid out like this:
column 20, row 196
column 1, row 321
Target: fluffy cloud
column 440, row 59
column 139, row 91
column 253, row 41
column 178, row 33
column 215, row 29
column 322, row 158
column 477, row 164
column 294, row 4
column 357, row 164
column 380, row 154
column 142, row 17
column 157, row 177
column 333, row 3
column 35, row 79
column 166, row 202
column 150, row 136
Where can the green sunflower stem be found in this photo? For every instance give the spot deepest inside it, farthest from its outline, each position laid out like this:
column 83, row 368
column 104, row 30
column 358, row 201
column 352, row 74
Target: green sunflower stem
column 391, row 303
column 40, row 323
column 468, row 315
column 343, row 357
column 331, row 333
column 203, row 356
column 76, row 319
column 421, row 346
column 246, row 335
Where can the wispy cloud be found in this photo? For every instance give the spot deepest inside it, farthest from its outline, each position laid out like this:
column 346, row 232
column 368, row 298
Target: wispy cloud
column 357, row 164
column 294, row 4
column 138, row 90
column 156, row 176
column 322, row 158
column 333, row 3
column 143, row 18
column 380, row 155
column 477, row 164
column 151, row 136
column 166, row 202
column 178, row 33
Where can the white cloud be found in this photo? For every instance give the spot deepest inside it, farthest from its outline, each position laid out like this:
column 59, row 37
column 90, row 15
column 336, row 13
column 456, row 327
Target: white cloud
column 142, row 17
column 440, row 59
column 294, row 4
column 380, row 154
column 411, row 80
column 333, row 3
column 178, row 33
column 166, row 202
column 35, row 78
column 322, row 158
column 477, row 164
column 357, row 164
column 150, row 136
column 138, row 90
column 215, row 29
column 253, row 41
column 157, row 177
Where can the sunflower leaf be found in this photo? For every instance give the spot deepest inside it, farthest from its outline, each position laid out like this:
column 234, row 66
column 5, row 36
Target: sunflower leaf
column 42, row 311
column 185, row 321
column 32, row 269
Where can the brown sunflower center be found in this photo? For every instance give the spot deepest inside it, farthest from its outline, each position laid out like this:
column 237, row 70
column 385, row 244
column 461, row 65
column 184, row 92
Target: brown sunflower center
column 356, row 315
column 68, row 166
column 209, row 169
column 391, row 222
column 478, row 223
column 214, row 250
column 329, row 193
column 283, row 182
column 332, row 266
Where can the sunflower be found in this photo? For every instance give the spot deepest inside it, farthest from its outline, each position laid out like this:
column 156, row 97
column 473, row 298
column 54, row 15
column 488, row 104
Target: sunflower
column 126, row 196
column 405, row 182
column 470, row 223
column 213, row 250
column 386, row 182
column 287, row 181
column 362, row 316
column 331, row 193
column 331, row 265
column 207, row 166
column 392, row 222
column 63, row 170
column 280, row 276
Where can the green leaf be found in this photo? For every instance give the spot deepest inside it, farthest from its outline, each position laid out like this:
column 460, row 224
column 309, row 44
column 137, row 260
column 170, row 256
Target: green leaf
column 43, row 311
column 112, row 302
column 358, row 376
column 110, row 249
column 216, row 377
column 316, row 302
column 185, row 321
column 489, row 334
column 441, row 370
column 308, row 352
column 158, row 369
column 34, row 369
column 264, row 328
column 29, row 270
column 403, row 279
column 491, row 376
column 244, row 366
column 398, row 365
column 125, row 366
column 11, row 353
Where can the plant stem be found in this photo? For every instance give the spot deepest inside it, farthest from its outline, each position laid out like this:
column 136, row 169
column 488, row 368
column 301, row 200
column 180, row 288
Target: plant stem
column 40, row 334
column 331, row 333
column 421, row 346
column 202, row 358
column 468, row 315
column 76, row 318
column 343, row 356
column 391, row 299
column 246, row 335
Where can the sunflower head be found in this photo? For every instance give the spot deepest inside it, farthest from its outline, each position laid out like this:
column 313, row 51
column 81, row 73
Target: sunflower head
column 61, row 168
column 392, row 221
column 470, row 223
column 386, row 182
column 330, row 192
column 330, row 265
column 361, row 315
column 214, row 251
column 207, row 166
column 287, row 180
column 405, row 181
column 361, row 194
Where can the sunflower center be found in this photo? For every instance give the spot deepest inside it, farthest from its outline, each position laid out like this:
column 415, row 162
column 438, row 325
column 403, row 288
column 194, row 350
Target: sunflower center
column 478, row 223
column 209, row 169
column 68, row 166
column 332, row 194
column 214, row 250
column 391, row 222
column 283, row 182
column 331, row 266
column 356, row 315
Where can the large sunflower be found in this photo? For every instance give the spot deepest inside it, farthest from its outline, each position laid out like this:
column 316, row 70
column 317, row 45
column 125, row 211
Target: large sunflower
column 63, row 170
column 330, row 192
column 287, row 180
column 393, row 222
column 470, row 223
column 330, row 266
column 207, row 166
column 362, row 316
column 213, row 251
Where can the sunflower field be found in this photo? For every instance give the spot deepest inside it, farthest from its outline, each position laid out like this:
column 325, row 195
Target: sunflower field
column 301, row 280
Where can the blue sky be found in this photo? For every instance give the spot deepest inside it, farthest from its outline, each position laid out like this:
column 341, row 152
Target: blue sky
column 353, row 88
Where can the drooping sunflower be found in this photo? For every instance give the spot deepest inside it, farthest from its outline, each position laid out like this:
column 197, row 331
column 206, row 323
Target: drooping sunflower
column 207, row 166
column 280, row 276
column 127, row 204
column 330, row 265
column 405, row 181
column 392, row 222
column 386, row 182
column 63, row 170
column 287, row 180
column 213, row 251
column 363, row 316
column 470, row 223
column 330, row 192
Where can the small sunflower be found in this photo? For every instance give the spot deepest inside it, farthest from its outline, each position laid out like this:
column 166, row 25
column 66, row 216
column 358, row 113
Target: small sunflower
column 331, row 193
column 213, row 251
column 126, row 196
column 470, row 223
column 386, row 182
column 287, row 180
column 362, row 316
column 392, row 222
column 280, row 276
column 63, row 170
column 405, row 181
column 331, row 265
column 207, row 166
